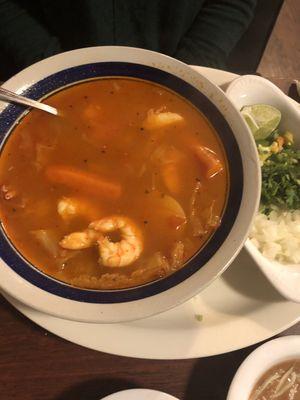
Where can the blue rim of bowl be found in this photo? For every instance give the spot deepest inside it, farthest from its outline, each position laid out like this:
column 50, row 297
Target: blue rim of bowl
column 81, row 73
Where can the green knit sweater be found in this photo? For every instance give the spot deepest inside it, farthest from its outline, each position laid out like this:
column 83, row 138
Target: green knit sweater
column 199, row 32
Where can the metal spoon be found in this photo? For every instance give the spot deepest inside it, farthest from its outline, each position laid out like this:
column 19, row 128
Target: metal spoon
column 7, row 95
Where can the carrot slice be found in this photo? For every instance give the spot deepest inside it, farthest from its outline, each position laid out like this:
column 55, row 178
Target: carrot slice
column 82, row 181
column 209, row 160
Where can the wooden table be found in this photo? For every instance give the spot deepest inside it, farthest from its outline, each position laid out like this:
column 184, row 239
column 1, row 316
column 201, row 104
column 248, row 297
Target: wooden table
column 36, row 365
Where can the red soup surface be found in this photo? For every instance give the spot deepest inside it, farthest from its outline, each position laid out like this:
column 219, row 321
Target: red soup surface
column 121, row 189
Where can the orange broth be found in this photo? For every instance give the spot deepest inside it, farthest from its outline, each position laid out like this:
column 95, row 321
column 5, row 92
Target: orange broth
column 102, row 153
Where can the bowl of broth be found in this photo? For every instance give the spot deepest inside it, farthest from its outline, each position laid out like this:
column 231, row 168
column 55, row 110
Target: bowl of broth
column 130, row 201
column 271, row 372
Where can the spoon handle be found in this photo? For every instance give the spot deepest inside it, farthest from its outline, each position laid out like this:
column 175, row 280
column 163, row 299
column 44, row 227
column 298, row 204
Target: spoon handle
column 7, row 95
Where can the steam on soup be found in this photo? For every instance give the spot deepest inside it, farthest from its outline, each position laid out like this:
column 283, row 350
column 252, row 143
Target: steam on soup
column 281, row 382
column 121, row 189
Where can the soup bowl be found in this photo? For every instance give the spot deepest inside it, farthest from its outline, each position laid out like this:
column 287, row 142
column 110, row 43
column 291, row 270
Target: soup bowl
column 22, row 280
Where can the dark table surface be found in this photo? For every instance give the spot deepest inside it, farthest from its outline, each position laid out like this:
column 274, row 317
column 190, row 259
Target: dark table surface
column 35, row 364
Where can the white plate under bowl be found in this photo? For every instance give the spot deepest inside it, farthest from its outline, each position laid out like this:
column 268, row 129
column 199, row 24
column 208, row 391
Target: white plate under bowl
column 239, row 309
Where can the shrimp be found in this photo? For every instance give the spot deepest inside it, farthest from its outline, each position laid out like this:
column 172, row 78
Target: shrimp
column 70, row 207
column 209, row 160
column 112, row 254
column 80, row 240
column 124, row 252
column 158, row 119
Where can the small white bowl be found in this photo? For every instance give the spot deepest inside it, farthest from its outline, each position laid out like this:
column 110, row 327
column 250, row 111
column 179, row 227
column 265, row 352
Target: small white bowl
column 258, row 362
column 23, row 281
column 251, row 89
column 140, row 394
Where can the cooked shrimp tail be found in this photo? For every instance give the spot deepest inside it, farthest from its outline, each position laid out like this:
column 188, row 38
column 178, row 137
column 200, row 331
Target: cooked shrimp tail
column 80, row 240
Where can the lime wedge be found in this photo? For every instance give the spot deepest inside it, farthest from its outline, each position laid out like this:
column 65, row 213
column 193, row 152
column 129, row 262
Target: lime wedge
column 262, row 119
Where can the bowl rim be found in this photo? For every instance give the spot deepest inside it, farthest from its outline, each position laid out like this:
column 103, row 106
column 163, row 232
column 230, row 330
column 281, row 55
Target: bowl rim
column 182, row 73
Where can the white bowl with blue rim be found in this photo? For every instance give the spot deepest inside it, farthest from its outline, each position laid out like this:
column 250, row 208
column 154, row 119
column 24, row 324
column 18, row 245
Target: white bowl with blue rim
column 29, row 285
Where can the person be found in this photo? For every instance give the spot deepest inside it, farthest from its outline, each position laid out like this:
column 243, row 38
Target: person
column 200, row 32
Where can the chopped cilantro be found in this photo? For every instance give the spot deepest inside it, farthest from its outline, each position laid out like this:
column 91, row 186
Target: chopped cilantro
column 281, row 180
